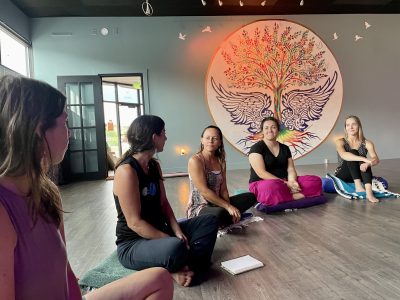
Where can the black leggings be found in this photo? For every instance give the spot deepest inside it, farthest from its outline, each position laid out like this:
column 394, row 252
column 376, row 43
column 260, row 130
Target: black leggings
column 241, row 201
column 350, row 170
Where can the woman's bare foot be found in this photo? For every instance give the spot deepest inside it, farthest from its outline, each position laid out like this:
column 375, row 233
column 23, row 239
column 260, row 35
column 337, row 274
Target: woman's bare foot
column 372, row 199
column 298, row 196
column 370, row 193
column 358, row 185
column 183, row 277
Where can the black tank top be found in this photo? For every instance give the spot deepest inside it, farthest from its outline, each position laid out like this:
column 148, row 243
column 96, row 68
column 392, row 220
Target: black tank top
column 362, row 151
column 151, row 212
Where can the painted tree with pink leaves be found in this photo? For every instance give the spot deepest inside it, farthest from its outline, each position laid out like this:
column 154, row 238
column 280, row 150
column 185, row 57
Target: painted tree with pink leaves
column 274, row 61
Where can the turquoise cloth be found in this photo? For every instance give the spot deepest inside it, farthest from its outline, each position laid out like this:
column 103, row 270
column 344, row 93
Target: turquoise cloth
column 109, row 270
column 240, row 191
column 348, row 190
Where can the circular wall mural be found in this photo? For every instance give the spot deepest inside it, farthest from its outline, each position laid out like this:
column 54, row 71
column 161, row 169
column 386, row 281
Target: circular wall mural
column 274, row 68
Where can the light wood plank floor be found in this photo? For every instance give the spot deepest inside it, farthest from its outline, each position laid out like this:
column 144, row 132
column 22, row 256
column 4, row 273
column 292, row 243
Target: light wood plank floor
column 340, row 250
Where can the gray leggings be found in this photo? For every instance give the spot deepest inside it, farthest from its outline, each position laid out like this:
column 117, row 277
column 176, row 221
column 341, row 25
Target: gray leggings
column 170, row 252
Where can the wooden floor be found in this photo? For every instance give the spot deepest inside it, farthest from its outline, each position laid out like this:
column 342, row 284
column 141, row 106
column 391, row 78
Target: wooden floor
column 340, row 250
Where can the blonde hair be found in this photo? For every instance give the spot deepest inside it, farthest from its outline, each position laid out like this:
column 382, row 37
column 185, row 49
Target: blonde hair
column 361, row 136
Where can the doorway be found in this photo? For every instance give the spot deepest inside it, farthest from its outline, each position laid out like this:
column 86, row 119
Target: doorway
column 122, row 103
column 100, row 110
column 85, row 157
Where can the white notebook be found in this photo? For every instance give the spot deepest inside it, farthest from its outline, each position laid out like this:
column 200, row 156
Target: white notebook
column 241, row 264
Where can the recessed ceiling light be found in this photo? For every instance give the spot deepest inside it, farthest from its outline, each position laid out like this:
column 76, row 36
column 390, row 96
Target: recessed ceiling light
column 104, row 31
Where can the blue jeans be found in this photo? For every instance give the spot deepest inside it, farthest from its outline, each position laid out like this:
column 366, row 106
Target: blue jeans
column 170, row 252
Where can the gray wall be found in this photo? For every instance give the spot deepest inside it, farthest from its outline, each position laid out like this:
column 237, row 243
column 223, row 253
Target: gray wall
column 14, row 18
column 176, row 70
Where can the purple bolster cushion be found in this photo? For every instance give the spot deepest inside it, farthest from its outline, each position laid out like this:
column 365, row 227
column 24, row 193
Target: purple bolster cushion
column 302, row 203
column 327, row 185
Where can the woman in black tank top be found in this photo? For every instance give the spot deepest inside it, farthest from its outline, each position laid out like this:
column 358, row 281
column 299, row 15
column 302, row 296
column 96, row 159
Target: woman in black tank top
column 354, row 165
column 148, row 234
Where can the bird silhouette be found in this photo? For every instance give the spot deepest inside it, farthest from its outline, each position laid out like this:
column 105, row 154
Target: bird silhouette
column 335, row 36
column 206, row 29
column 357, row 37
column 300, row 108
column 182, row 36
column 367, row 25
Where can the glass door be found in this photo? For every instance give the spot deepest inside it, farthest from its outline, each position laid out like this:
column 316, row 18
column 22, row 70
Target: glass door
column 123, row 102
column 86, row 155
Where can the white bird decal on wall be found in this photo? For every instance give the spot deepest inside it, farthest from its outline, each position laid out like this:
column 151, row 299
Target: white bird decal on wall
column 357, row 37
column 182, row 36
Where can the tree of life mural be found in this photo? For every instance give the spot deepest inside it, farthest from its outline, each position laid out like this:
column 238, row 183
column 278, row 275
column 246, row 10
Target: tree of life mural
column 274, row 68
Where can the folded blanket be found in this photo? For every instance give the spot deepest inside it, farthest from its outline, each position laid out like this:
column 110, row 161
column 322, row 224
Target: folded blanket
column 348, row 190
column 328, row 186
column 109, row 270
column 246, row 219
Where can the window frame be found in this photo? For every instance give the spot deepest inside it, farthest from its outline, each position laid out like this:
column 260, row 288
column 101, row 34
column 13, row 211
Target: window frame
column 25, row 43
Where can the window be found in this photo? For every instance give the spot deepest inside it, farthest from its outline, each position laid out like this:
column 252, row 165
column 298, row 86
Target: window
column 14, row 52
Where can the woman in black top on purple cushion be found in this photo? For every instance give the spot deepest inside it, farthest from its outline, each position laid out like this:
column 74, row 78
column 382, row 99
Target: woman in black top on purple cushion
column 273, row 177
column 148, row 234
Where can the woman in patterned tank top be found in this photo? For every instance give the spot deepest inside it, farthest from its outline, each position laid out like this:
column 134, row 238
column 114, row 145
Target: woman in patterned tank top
column 208, row 189
column 354, row 165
